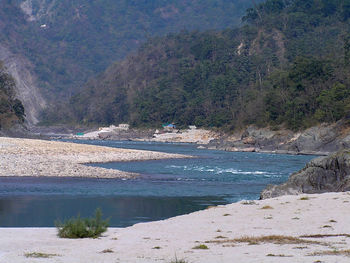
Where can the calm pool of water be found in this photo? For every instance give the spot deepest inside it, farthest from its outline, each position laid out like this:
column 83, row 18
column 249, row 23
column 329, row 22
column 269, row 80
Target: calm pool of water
column 165, row 188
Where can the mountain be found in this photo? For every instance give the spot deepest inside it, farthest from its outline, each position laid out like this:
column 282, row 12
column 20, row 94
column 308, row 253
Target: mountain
column 287, row 65
column 11, row 109
column 63, row 43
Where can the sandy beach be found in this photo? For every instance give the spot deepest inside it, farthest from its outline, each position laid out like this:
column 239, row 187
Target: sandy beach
column 27, row 157
column 307, row 228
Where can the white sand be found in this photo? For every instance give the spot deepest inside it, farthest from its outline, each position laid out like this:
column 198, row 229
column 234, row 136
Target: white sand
column 26, row 157
column 290, row 216
column 198, row 136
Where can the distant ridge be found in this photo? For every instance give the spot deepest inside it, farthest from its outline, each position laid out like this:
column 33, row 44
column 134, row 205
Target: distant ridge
column 288, row 65
column 67, row 42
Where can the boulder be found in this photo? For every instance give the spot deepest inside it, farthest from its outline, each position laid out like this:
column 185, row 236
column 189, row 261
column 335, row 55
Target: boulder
column 323, row 174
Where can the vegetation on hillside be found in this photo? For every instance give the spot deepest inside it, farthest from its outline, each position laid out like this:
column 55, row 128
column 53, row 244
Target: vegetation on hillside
column 70, row 41
column 287, row 65
column 11, row 109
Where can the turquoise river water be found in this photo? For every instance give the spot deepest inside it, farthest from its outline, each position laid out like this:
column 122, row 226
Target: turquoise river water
column 166, row 188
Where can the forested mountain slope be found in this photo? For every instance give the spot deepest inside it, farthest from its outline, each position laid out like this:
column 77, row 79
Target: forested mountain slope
column 288, row 64
column 11, row 109
column 70, row 41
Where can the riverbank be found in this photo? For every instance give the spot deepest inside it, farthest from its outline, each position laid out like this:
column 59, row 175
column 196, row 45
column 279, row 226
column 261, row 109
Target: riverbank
column 303, row 228
column 322, row 139
column 28, row 157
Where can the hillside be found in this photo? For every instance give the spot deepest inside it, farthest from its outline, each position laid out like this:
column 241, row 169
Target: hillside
column 287, row 65
column 67, row 42
column 11, row 109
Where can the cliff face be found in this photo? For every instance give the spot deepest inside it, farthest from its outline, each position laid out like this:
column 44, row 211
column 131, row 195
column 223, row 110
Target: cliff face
column 26, row 90
column 36, row 9
column 322, row 139
column 323, row 174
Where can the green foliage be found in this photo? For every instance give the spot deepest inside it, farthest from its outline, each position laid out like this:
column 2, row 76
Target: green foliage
column 83, row 37
column 201, row 247
column 284, row 66
column 83, row 227
column 333, row 103
column 11, row 109
column 39, row 255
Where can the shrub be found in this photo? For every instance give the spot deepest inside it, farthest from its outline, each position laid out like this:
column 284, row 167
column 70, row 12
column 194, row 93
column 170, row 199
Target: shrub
column 200, row 247
column 82, row 227
column 39, row 255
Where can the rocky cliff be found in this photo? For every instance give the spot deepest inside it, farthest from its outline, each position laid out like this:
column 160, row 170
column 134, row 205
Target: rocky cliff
column 322, row 139
column 26, row 89
column 323, row 174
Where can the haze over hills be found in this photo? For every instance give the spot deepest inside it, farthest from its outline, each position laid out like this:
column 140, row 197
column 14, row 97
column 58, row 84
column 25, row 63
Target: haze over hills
column 61, row 44
column 287, row 65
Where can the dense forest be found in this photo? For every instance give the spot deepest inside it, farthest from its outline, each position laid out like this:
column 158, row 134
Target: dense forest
column 70, row 41
column 288, row 64
column 11, row 109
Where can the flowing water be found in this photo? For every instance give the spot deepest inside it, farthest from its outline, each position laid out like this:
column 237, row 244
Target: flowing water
column 165, row 188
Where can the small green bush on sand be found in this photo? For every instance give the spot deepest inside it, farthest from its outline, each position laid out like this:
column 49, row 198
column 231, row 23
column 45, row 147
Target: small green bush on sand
column 82, row 227
column 39, row 255
column 200, row 247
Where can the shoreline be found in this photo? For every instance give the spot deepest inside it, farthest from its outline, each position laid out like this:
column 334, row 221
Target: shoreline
column 284, row 229
column 285, row 143
column 272, row 230
column 32, row 157
column 208, row 147
column 322, row 139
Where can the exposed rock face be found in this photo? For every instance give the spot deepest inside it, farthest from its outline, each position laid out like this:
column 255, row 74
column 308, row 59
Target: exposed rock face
column 26, row 90
column 323, row 174
column 36, row 9
column 322, row 139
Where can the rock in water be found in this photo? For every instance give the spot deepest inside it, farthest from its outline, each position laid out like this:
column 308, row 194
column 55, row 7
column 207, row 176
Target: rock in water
column 323, row 174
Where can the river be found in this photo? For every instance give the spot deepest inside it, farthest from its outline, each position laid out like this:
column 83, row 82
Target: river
column 166, row 188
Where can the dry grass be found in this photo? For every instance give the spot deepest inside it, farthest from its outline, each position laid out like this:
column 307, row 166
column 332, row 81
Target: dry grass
column 345, row 252
column 267, row 207
column 325, row 236
column 220, row 237
column 107, row 251
column 304, row 247
column 304, row 198
column 248, row 202
column 39, row 255
column 279, row 255
column 273, row 239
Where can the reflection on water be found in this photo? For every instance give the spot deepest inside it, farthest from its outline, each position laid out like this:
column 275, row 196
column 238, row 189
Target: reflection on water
column 123, row 211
